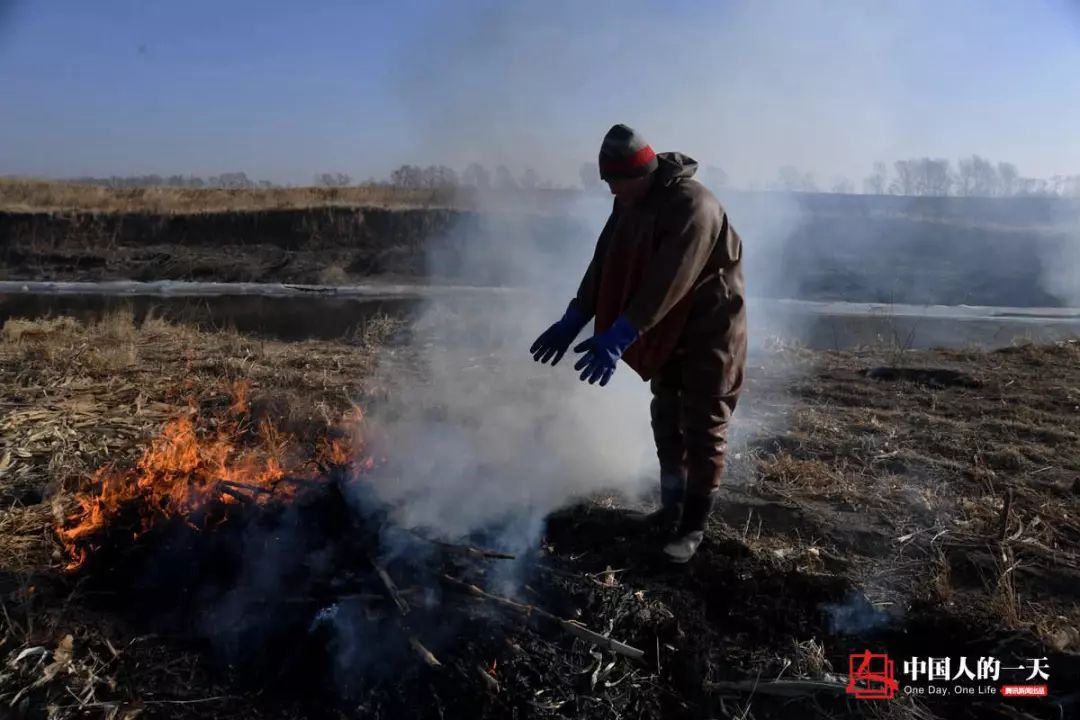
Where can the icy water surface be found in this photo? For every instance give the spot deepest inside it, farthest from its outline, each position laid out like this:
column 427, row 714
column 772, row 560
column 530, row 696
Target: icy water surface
column 294, row 312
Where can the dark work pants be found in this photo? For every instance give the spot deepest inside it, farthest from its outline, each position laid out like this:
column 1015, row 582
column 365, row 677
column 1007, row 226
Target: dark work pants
column 691, row 410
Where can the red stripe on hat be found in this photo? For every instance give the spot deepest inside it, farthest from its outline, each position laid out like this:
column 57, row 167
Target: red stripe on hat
column 642, row 157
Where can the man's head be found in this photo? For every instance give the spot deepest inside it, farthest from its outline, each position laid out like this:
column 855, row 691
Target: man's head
column 627, row 164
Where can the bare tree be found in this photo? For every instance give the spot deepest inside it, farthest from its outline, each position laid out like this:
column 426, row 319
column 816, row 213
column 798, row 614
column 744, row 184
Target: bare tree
column 590, row 176
column 333, row 180
column 906, row 182
column 877, row 183
column 1065, row 185
column 234, row 180
column 504, row 179
column 1033, row 187
column 409, row 176
column 477, row 176
column 715, row 177
column 435, row 176
column 1008, row 176
column 843, row 186
column 791, row 179
column 936, row 177
column 977, row 177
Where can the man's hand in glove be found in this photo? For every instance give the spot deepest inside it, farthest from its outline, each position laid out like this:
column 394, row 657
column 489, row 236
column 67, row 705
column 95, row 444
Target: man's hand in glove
column 553, row 342
column 602, row 352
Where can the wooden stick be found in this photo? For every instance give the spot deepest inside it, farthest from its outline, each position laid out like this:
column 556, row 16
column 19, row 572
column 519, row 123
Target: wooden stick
column 245, row 486
column 391, row 588
column 300, row 481
column 474, row 551
column 233, row 493
column 424, row 653
column 465, row 549
column 574, row 628
column 491, row 682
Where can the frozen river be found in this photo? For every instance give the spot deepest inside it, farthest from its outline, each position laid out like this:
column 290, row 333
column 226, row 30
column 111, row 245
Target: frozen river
column 300, row 311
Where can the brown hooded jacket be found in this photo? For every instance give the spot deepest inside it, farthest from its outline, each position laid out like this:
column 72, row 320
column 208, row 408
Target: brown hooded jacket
column 672, row 266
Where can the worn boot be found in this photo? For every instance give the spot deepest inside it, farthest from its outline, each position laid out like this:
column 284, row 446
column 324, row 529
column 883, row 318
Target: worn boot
column 695, row 518
column 672, row 492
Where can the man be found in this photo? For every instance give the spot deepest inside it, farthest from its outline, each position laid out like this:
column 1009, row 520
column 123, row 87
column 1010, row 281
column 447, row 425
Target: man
column 665, row 286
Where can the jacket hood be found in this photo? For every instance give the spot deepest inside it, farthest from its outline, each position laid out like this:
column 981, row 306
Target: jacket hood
column 675, row 166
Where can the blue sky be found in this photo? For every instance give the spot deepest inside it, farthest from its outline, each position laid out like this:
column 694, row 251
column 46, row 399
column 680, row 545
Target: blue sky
column 283, row 90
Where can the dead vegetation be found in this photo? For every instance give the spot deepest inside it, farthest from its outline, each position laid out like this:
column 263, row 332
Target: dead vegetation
column 76, row 396
column 889, row 509
column 30, row 195
column 48, row 196
column 968, row 469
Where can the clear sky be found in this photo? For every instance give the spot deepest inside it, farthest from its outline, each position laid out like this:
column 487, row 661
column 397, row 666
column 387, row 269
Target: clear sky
column 285, row 89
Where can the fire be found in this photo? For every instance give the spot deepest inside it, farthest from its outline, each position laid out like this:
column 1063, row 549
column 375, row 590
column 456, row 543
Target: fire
column 196, row 462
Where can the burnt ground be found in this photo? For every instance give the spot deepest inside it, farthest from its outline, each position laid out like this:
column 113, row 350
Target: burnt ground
column 919, row 503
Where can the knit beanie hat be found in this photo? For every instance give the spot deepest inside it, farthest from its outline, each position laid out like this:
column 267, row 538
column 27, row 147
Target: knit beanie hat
column 625, row 154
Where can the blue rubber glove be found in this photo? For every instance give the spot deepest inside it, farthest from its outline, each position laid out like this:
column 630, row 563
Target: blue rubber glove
column 602, row 352
column 554, row 341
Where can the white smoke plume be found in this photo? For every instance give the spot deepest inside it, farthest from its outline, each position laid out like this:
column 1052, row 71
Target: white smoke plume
column 1061, row 264
column 479, row 438
column 482, row 439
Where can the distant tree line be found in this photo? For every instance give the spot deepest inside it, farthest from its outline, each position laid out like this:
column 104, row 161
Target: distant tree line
column 474, row 175
column 973, row 176
column 231, row 180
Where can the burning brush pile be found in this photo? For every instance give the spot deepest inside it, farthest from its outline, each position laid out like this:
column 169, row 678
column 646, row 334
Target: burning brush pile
column 276, row 560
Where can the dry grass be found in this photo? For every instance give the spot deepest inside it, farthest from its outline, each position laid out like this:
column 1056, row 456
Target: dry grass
column 333, row 275
column 79, row 395
column 41, row 195
column 25, row 542
column 872, row 469
column 22, row 195
column 898, row 485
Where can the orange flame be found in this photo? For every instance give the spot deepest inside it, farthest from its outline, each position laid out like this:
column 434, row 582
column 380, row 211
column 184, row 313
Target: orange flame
column 189, row 466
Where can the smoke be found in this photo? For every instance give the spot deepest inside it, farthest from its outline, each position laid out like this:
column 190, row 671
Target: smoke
column 480, row 440
column 855, row 616
column 766, row 223
column 1060, row 259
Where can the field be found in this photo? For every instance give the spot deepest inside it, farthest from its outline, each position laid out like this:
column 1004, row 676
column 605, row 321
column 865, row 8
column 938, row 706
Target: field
column 924, row 503
column 207, row 523
column 46, row 196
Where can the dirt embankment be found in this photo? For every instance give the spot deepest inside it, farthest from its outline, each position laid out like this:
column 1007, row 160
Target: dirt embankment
column 1004, row 252
column 309, row 245
column 313, row 245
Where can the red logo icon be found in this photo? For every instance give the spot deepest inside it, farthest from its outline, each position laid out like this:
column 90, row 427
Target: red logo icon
column 871, row 676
